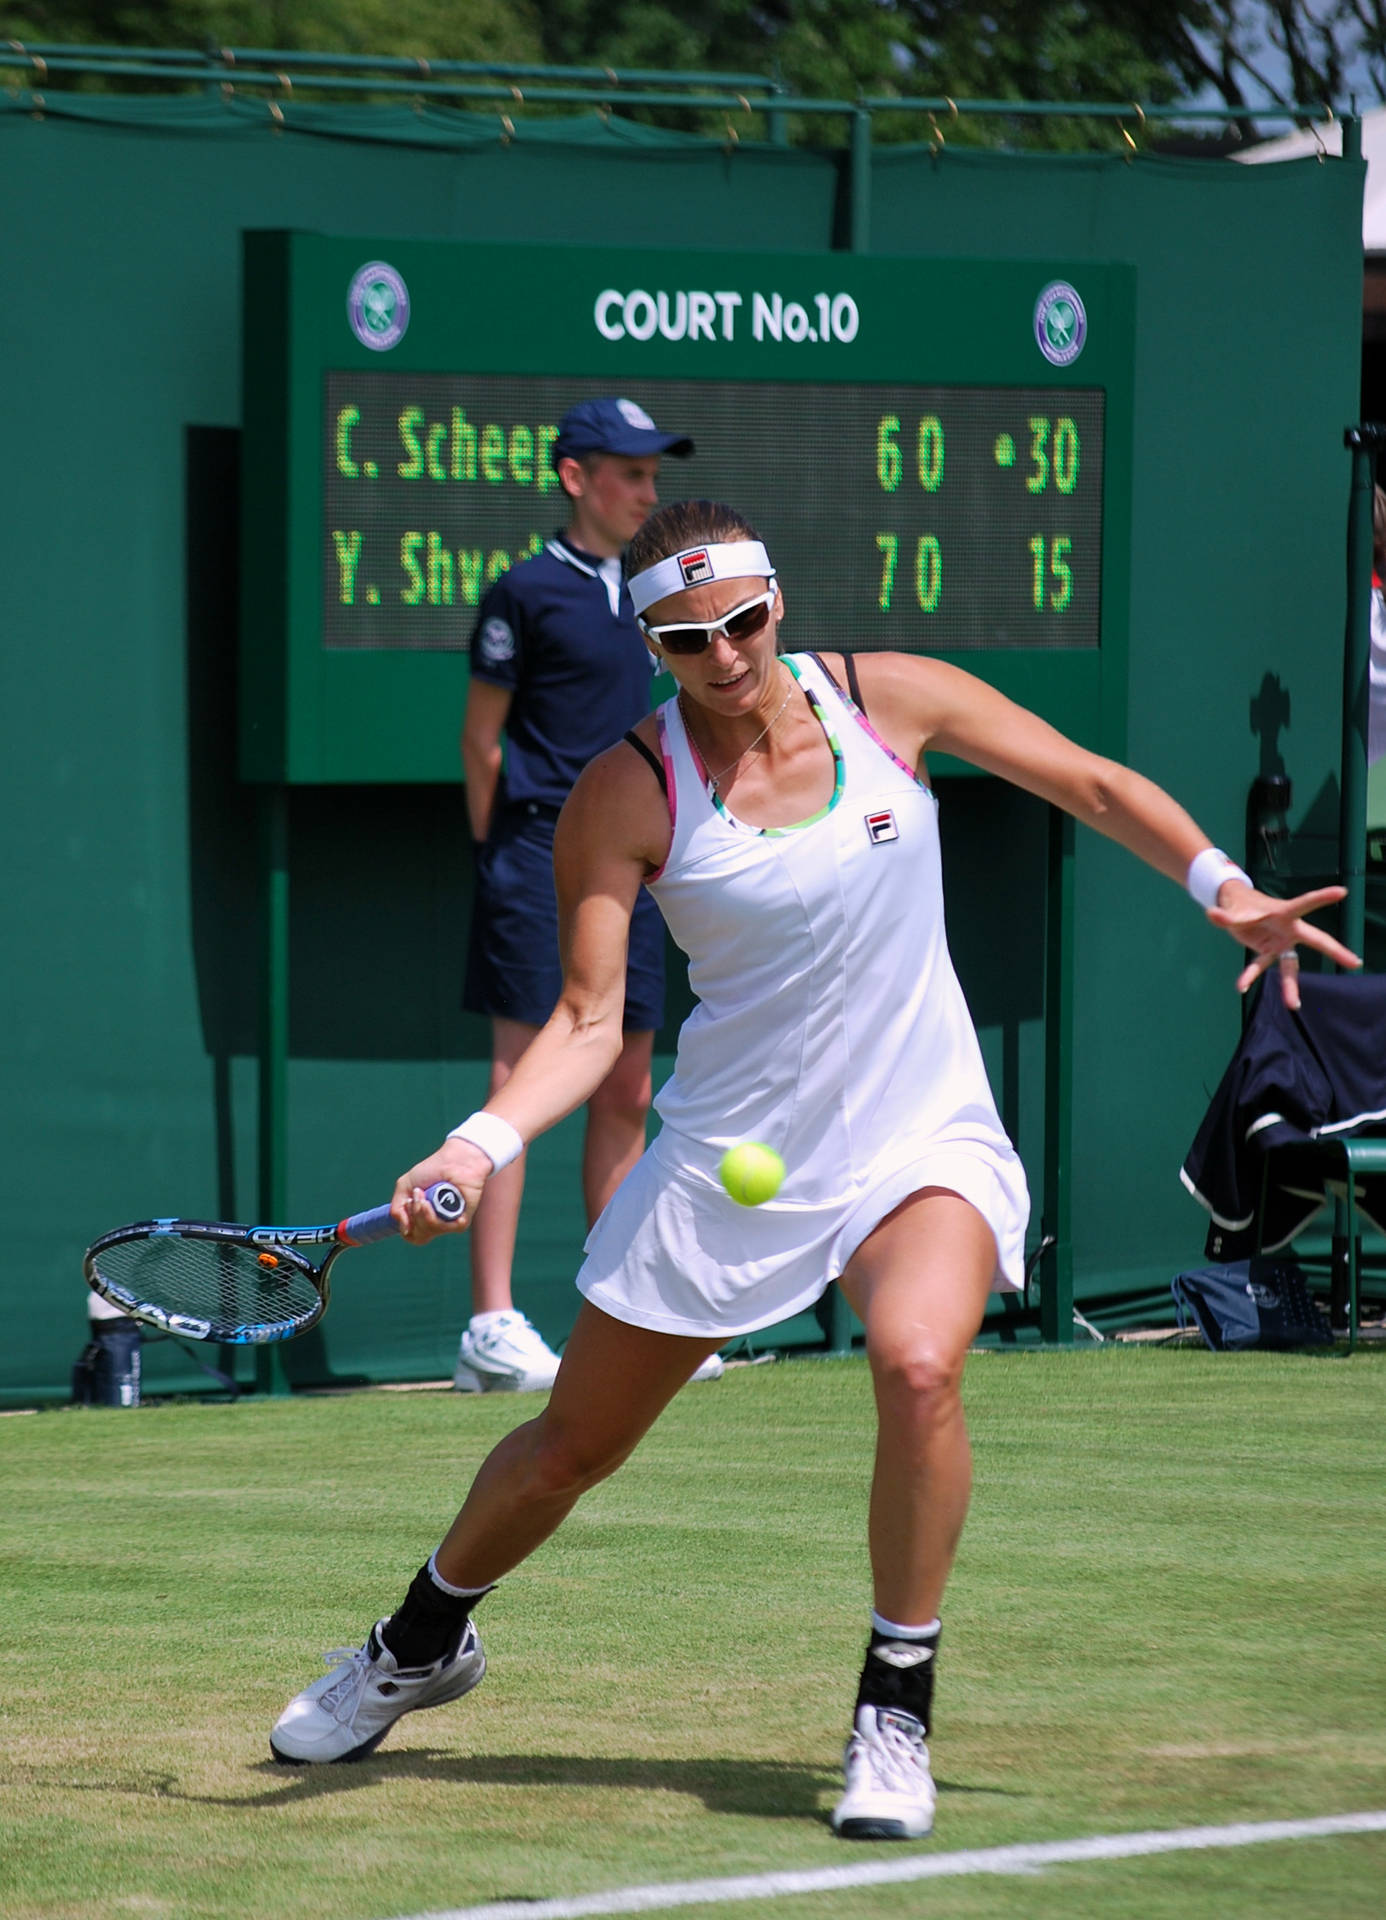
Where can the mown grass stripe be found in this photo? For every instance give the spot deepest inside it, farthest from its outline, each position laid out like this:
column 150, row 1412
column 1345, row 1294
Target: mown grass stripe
column 936, row 1866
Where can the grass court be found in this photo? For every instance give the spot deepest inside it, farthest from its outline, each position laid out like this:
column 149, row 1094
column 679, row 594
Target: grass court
column 1167, row 1613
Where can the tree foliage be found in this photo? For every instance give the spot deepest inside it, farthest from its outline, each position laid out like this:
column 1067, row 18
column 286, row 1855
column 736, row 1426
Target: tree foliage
column 1053, row 50
column 1239, row 52
column 435, row 29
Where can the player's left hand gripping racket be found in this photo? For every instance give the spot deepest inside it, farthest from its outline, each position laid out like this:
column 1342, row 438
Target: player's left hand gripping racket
column 245, row 1286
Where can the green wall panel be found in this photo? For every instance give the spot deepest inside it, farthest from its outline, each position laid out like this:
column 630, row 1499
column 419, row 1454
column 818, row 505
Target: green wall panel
column 128, row 952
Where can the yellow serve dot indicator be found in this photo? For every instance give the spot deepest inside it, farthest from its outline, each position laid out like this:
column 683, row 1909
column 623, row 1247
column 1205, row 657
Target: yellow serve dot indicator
column 1004, row 450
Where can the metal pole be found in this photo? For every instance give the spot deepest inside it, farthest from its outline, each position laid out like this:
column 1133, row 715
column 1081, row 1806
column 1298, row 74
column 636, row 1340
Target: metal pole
column 1357, row 647
column 270, row 1376
column 777, row 126
column 1056, row 1224
column 1352, row 792
column 859, row 240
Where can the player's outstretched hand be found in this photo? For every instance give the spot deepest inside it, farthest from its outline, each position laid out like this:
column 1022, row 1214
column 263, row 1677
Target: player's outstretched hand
column 456, row 1160
column 1274, row 928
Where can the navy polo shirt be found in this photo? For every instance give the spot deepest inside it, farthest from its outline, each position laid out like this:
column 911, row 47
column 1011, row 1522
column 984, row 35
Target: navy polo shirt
column 559, row 632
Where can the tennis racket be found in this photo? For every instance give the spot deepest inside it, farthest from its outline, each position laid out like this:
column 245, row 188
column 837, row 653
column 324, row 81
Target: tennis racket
column 244, row 1286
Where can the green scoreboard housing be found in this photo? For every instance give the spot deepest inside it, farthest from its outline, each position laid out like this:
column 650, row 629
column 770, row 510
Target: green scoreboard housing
column 937, row 454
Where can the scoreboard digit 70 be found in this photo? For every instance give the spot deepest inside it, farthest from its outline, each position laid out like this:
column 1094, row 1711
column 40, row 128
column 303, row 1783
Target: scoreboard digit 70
column 936, row 453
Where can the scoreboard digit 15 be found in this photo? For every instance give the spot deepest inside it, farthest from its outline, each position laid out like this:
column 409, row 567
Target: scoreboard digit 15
column 936, row 452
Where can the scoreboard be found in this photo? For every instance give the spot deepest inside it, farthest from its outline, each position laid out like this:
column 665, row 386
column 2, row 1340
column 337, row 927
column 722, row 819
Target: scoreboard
column 925, row 518
column 936, row 453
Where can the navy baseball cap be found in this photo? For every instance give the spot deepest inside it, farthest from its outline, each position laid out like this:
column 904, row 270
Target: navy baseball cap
column 613, row 426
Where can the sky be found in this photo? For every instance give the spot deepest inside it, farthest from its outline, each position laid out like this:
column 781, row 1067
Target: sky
column 1273, row 64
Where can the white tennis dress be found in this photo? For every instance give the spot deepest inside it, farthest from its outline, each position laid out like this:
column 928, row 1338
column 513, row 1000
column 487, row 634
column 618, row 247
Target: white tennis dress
column 830, row 1026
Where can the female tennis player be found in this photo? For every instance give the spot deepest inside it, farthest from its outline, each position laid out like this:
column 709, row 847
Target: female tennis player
column 786, row 827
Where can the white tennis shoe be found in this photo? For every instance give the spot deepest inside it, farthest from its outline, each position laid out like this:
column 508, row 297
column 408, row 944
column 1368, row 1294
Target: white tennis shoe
column 346, row 1714
column 711, row 1369
column 505, row 1354
column 890, row 1791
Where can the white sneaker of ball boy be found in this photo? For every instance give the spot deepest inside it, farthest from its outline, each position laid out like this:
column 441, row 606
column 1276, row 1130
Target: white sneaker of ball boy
column 502, row 1352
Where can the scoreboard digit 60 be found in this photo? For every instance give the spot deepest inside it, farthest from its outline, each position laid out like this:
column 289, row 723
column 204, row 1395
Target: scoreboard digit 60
column 936, row 453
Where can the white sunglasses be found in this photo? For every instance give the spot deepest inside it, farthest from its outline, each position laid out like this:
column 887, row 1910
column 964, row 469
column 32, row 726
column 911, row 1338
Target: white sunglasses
column 696, row 636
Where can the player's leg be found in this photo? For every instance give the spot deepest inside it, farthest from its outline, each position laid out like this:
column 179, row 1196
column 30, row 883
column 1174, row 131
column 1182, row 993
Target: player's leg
column 616, row 1114
column 500, row 1350
column 618, row 1110
column 614, row 1382
column 615, row 1138
column 919, row 1284
column 514, row 978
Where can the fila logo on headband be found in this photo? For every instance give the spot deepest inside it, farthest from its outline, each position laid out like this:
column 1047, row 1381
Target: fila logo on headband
column 715, row 560
column 881, row 826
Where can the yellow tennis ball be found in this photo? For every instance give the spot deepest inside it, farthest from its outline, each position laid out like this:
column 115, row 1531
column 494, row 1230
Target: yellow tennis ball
column 751, row 1173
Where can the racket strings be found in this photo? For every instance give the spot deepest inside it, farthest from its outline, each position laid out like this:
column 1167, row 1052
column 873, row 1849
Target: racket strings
column 226, row 1282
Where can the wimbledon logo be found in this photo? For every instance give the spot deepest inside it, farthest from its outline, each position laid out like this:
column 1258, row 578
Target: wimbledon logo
column 1061, row 324
column 378, row 306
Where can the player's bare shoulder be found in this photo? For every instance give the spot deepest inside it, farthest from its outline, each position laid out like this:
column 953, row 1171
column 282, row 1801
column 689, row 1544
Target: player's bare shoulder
column 902, row 694
column 910, row 681
column 619, row 802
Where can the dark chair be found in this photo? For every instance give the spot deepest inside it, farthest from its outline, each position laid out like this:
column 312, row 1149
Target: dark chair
column 1299, row 1120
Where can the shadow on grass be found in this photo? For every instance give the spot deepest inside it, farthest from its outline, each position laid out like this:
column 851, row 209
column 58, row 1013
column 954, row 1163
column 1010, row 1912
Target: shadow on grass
column 773, row 1789
column 779, row 1789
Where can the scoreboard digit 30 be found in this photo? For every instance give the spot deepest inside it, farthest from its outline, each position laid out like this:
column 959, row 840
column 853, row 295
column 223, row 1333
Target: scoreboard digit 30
column 937, row 454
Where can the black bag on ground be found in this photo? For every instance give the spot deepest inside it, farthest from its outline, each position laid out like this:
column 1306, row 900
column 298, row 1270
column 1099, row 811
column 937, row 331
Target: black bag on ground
column 107, row 1371
column 1260, row 1302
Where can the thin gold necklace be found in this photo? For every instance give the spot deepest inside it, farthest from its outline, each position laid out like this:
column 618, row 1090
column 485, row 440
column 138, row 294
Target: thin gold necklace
column 713, row 779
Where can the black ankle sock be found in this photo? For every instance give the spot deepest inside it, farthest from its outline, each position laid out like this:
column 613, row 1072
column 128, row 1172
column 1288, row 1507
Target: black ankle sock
column 899, row 1674
column 428, row 1624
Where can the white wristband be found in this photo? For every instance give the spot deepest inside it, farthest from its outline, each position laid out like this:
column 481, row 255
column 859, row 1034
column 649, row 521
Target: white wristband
column 1207, row 872
column 495, row 1137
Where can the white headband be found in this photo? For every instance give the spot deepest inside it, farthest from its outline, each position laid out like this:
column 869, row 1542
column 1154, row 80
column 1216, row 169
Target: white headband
column 733, row 560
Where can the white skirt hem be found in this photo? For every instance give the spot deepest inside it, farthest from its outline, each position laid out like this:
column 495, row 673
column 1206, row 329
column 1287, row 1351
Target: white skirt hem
column 677, row 1256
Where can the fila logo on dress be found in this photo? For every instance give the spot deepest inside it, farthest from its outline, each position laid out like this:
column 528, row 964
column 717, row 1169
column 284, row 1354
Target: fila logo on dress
column 881, row 826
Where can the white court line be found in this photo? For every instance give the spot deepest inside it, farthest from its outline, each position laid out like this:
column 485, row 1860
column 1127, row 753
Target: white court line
column 920, row 1866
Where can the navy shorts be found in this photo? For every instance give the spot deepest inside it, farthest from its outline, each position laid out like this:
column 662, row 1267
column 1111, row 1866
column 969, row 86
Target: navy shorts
column 512, row 961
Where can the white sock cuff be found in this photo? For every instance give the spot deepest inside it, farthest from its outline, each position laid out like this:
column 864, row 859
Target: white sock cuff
column 446, row 1586
column 880, row 1624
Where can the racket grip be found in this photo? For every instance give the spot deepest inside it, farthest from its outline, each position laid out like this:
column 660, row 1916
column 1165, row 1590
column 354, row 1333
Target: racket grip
column 378, row 1224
